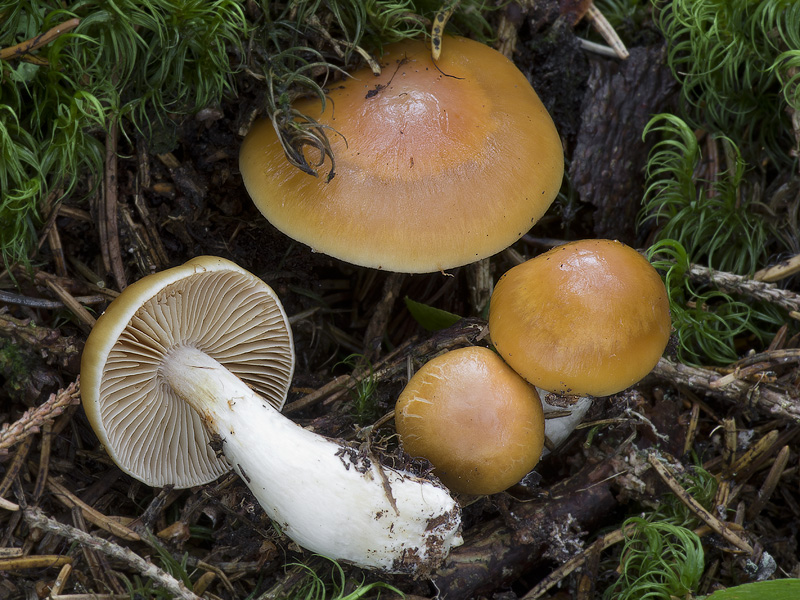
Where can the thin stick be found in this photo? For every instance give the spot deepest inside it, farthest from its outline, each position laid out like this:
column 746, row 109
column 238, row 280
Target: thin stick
column 774, row 401
column 46, row 303
column 92, row 515
column 84, row 317
column 437, row 29
column 753, row 288
column 8, row 505
column 32, row 420
column 770, row 483
column 28, row 46
column 89, row 596
column 730, row 439
column 57, row 251
column 691, row 430
column 109, row 229
column 604, row 28
column 600, row 49
column 41, row 561
column 698, row 509
column 36, row 518
column 754, row 452
column 782, row 270
column 44, row 461
column 13, row 470
column 600, row 544
column 61, row 580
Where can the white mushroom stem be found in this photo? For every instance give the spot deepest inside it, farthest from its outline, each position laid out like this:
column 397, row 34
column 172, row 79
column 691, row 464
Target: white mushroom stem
column 562, row 414
column 327, row 497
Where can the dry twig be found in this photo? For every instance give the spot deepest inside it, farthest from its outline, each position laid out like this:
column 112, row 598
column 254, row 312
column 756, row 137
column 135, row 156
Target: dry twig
column 23, row 49
column 604, row 28
column 19, row 299
column 85, row 318
column 42, row 561
column 107, row 212
column 576, row 562
column 92, row 515
column 32, row 420
column 715, row 524
column 736, row 284
column 36, row 518
column 770, row 483
column 769, row 399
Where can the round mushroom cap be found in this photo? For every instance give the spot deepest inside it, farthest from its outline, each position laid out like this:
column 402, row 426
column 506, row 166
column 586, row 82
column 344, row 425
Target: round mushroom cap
column 437, row 165
column 210, row 304
column 586, row 318
column 479, row 423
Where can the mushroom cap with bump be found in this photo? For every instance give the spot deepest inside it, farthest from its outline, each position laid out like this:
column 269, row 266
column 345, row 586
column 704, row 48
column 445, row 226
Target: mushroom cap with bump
column 437, row 164
column 477, row 421
column 210, row 304
column 585, row 318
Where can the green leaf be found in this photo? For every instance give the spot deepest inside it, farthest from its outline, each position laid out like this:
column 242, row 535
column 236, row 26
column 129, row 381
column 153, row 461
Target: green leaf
column 778, row 589
column 429, row 317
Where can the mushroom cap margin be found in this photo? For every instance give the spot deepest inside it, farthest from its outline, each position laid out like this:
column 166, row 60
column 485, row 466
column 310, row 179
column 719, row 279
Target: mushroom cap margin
column 589, row 317
column 477, row 421
column 190, row 459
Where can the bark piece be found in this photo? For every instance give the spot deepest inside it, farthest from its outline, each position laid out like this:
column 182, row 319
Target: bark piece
column 620, row 100
column 502, row 549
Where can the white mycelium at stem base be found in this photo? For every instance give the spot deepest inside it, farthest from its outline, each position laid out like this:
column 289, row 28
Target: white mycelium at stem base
column 322, row 494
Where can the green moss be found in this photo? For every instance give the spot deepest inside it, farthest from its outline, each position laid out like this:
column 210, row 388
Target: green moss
column 129, row 61
column 720, row 222
column 661, row 557
column 732, row 58
column 15, row 369
column 338, row 587
column 660, row 561
column 142, row 64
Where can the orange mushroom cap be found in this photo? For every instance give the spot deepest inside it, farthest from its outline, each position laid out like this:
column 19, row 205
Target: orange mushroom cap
column 589, row 317
column 479, row 423
column 435, row 167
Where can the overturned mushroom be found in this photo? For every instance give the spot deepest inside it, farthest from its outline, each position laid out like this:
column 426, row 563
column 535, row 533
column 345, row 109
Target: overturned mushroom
column 202, row 355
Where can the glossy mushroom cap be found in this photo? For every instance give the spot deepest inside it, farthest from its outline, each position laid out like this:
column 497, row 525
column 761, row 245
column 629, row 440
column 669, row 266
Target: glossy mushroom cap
column 478, row 422
column 589, row 317
column 435, row 168
column 209, row 304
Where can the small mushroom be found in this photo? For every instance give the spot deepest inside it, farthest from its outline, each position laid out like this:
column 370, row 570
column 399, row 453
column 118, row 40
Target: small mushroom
column 585, row 318
column 437, row 165
column 479, row 423
column 588, row 318
column 183, row 378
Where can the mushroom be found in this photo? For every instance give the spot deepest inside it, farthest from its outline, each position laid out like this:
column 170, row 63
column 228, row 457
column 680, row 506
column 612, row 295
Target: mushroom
column 437, row 165
column 183, row 377
column 585, row 318
column 477, row 421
